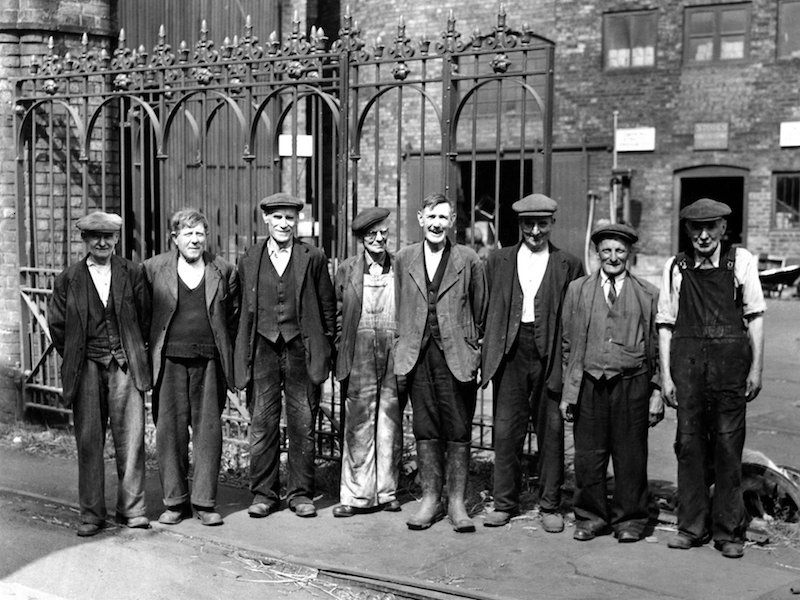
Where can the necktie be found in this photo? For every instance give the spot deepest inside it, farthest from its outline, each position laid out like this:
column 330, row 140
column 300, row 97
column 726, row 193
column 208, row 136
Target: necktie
column 612, row 292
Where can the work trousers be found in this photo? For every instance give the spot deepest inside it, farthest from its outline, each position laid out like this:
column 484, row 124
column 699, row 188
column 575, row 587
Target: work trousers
column 519, row 395
column 191, row 394
column 710, row 379
column 611, row 421
column 108, row 394
column 442, row 405
column 280, row 369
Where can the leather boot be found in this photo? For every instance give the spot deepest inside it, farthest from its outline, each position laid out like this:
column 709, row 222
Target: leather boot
column 429, row 457
column 457, row 471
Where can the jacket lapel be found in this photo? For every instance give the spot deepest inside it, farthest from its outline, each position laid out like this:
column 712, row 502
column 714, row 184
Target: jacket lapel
column 170, row 274
column 416, row 269
column 118, row 281
column 357, row 278
column 300, row 256
column 82, row 279
column 455, row 264
column 213, row 277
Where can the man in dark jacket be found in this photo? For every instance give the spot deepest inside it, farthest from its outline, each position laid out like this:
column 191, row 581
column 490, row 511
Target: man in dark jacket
column 522, row 357
column 440, row 289
column 284, row 345
column 611, row 387
column 195, row 312
column 97, row 315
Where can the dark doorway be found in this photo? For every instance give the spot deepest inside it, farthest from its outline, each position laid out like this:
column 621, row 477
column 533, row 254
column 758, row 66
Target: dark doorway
column 729, row 190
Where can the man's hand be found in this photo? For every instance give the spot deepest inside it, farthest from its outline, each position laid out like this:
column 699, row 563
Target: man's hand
column 753, row 384
column 656, row 408
column 566, row 411
column 668, row 390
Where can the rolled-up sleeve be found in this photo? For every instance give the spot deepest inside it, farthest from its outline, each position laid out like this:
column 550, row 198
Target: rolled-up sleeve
column 669, row 292
column 746, row 272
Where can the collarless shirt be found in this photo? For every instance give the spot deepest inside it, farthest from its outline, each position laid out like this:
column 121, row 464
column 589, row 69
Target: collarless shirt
column 101, row 277
column 605, row 283
column 279, row 256
column 432, row 259
column 530, row 272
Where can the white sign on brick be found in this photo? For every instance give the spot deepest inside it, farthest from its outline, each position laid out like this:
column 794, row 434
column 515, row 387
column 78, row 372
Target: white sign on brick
column 305, row 145
column 635, row 139
column 790, row 134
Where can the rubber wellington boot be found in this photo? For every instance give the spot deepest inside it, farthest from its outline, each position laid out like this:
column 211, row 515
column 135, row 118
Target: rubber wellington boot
column 429, row 456
column 457, row 471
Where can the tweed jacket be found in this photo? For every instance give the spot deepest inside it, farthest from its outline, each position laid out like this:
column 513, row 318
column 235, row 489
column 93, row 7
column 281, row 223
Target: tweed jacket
column 316, row 310
column 575, row 322
column 505, row 310
column 222, row 307
column 460, row 309
column 68, row 313
column 349, row 285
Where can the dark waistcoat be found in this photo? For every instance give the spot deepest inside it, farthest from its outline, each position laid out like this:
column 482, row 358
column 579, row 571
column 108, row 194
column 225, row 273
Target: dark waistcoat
column 432, row 321
column 102, row 333
column 190, row 334
column 277, row 304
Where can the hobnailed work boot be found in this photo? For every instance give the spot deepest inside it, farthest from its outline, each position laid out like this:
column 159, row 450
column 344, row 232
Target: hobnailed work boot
column 429, row 456
column 457, row 471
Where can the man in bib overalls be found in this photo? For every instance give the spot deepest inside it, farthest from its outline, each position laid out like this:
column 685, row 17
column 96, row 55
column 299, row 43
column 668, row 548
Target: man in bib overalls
column 366, row 325
column 710, row 317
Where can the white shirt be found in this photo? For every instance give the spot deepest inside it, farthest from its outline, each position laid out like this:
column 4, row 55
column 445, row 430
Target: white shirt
column 530, row 272
column 279, row 256
column 745, row 274
column 605, row 283
column 101, row 276
column 432, row 259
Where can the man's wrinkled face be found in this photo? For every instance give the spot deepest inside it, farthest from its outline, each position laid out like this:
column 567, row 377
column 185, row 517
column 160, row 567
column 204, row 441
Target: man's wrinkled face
column 281, row 224
column 435, row 222
column 536, row 231
column 190, row 241
column 613, row 254
column 101, row 244
column 706, row 235
column 374, row 240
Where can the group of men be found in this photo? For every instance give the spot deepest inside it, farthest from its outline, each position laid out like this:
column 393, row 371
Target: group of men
column 603, row 351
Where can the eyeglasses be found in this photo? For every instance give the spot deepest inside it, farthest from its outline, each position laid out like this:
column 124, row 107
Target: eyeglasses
column 370, row 236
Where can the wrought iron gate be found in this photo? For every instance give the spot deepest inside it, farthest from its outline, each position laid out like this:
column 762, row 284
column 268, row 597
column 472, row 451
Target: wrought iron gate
column 341, row 125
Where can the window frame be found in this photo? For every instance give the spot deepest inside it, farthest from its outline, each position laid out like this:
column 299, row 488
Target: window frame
column 780, row 30
column 631, row 16
column 774, row 200
column 716, row 36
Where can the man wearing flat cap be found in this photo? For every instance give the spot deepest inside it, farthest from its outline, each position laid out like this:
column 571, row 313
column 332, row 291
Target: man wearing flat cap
column 611, row 389
column 365, row 329
column 283, row 347
column 99, row 317
column 440, row 289
column 710, row 319
column 522, row 358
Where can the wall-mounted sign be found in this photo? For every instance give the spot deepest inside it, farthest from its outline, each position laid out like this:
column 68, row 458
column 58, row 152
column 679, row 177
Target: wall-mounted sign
column 305, row 145
column 711, row 136
column 790, row 134
column 635, row 139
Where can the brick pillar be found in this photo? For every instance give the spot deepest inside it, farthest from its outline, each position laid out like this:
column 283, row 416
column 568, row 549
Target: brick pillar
column 25, row 27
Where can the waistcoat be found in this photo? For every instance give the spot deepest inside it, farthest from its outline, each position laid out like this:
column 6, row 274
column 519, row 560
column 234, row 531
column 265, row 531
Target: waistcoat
column 277, row 306
column 189, row 334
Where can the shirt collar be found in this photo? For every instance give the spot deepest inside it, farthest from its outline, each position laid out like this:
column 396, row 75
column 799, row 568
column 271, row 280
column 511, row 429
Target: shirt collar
column 90, row 262
column 618, row 279
column 274, row 249
column 528, row 253
column 382, row 262
column 714, row 258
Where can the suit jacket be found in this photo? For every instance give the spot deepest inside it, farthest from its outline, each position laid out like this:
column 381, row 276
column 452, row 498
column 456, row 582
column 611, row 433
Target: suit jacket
column 68, row 313
column 505, row 310
column 222, row 307
column 575, row 319
column 349, row 285
column 316, row 310
column 460, row 309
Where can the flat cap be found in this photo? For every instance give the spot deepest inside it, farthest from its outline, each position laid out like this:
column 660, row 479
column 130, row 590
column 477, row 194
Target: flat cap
column 705, row 209
column 535, row 205
column 99, row 221
column 615, row 230
column 281, row 200
column 367, row 218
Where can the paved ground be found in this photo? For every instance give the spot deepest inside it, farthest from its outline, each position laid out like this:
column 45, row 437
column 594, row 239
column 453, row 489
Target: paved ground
column 517, row 561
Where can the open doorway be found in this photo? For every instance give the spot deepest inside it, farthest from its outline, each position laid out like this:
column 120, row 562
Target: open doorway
column 728, row 188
